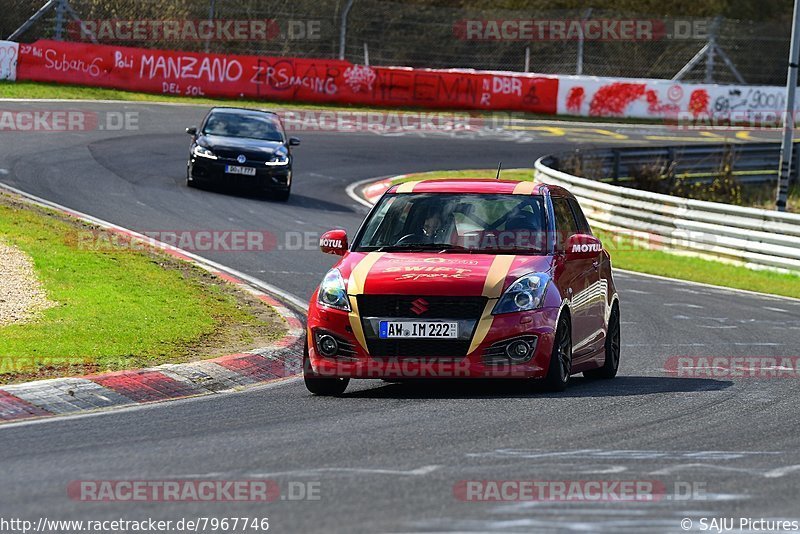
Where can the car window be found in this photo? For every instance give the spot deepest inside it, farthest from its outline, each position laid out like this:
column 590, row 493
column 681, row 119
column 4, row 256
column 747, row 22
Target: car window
column 580, row 218
column 252, row 126
column 565, row 221
column 489, row 223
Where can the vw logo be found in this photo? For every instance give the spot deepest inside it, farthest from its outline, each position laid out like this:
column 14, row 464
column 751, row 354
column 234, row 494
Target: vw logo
column 240, row 158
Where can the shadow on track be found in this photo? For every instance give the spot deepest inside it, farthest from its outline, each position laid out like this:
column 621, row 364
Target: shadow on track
column 623, row 386
column 294, row 200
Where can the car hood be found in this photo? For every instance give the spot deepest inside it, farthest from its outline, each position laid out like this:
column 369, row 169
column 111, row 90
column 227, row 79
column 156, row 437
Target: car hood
column 239, row 145
column 436, row 274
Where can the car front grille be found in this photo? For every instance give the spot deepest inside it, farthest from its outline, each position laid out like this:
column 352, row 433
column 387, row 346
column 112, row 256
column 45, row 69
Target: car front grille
column 466, row 310
column 431, row 307
column 423, row 349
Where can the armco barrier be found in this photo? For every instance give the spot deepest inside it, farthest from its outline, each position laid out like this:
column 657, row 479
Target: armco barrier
column 753, row 237
column 753, row 162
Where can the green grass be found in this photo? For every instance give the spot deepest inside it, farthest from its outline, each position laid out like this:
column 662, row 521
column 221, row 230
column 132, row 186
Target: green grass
column 117, row 308
column 627, row 255
column 41, row 90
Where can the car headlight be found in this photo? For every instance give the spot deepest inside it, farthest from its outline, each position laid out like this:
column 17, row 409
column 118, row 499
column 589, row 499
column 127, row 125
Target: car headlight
column 278, row 158
column 203, row 152
column 526, row 293
column 332, row 292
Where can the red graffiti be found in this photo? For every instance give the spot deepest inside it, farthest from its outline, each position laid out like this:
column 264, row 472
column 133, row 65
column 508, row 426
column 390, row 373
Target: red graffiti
column 611, row 100
column 655, row 107
column 698, row 102
column 575, row 100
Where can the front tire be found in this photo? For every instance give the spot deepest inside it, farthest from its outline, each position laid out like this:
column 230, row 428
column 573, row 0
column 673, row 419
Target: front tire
column 319, row 385
column 560, row 368
column 611, row 363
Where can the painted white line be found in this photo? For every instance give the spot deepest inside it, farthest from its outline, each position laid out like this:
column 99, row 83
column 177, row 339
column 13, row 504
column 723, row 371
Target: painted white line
column 4, row 171
column 779, row 472
column 419, row 471
column 351, row 190
column 683, row 305
column 781, row 310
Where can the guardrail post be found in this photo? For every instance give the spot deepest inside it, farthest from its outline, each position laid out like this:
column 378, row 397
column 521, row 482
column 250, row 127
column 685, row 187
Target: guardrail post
column 787, row 144
column 343, row 28
column 59, row 24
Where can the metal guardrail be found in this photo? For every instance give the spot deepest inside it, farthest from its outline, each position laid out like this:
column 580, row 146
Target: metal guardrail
column 753, row 162
column 757, row 238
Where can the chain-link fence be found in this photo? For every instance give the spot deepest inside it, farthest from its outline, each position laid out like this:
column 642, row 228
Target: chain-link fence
column 422, row 35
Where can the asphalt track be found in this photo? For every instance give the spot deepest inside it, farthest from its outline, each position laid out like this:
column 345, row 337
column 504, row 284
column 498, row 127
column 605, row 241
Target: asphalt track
column 387, row 456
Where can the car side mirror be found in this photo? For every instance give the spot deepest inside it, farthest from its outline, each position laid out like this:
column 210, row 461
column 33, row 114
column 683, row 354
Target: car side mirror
column 191, row 130
column 583, row 246
column 334, row 242
column 294, row 141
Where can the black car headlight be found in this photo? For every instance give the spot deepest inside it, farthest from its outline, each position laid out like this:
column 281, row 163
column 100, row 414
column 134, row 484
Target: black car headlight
column 203, row 152
column 332, row 292
column 526, row 293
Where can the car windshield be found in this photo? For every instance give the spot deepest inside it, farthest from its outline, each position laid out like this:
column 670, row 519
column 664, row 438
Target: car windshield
column 456, row 222
column 251, row 125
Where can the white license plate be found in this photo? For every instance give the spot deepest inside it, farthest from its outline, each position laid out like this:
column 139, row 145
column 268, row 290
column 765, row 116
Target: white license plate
column 236, row 169
column 417, row 329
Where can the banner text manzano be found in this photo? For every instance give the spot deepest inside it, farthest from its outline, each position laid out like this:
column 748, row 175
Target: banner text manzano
column 311, row 80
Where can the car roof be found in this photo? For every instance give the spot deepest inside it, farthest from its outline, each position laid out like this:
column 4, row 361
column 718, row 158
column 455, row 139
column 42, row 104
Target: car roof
column 243, row 111
column 478, row 186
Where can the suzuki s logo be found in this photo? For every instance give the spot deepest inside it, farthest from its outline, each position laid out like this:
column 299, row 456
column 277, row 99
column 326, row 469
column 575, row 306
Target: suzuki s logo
column 419, row 306
column 240, row 158
column 587, row 247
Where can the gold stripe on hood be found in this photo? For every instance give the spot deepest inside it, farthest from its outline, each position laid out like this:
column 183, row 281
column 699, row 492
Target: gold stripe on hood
column 407, row 187
column 524, row 188
column 492, row 288
column 355, row 286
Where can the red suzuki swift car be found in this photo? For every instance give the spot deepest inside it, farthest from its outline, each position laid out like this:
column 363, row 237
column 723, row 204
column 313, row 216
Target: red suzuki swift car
column 465, row 278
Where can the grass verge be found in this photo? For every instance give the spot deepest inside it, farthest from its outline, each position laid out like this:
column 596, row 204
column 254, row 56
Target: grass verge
column 43, row 90
column 118, row 307
column 656, row 262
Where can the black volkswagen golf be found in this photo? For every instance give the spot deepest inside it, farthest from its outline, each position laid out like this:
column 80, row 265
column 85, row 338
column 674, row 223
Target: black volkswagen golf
column 244, row 148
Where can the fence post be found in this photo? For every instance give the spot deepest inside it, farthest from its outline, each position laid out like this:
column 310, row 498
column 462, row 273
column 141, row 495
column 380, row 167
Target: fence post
column 343, row 27
column 528, row 58
column 211, row 6
column 59, row 25
column 579, row 59
column 711, row 49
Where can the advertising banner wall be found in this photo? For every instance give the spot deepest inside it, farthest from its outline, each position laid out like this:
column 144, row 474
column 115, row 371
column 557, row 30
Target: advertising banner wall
column 280, row 78
column 665, row 99
column 9, row 52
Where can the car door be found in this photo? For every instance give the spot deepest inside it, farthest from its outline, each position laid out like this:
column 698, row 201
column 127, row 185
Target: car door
column 596, row 287
column 574, row 278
